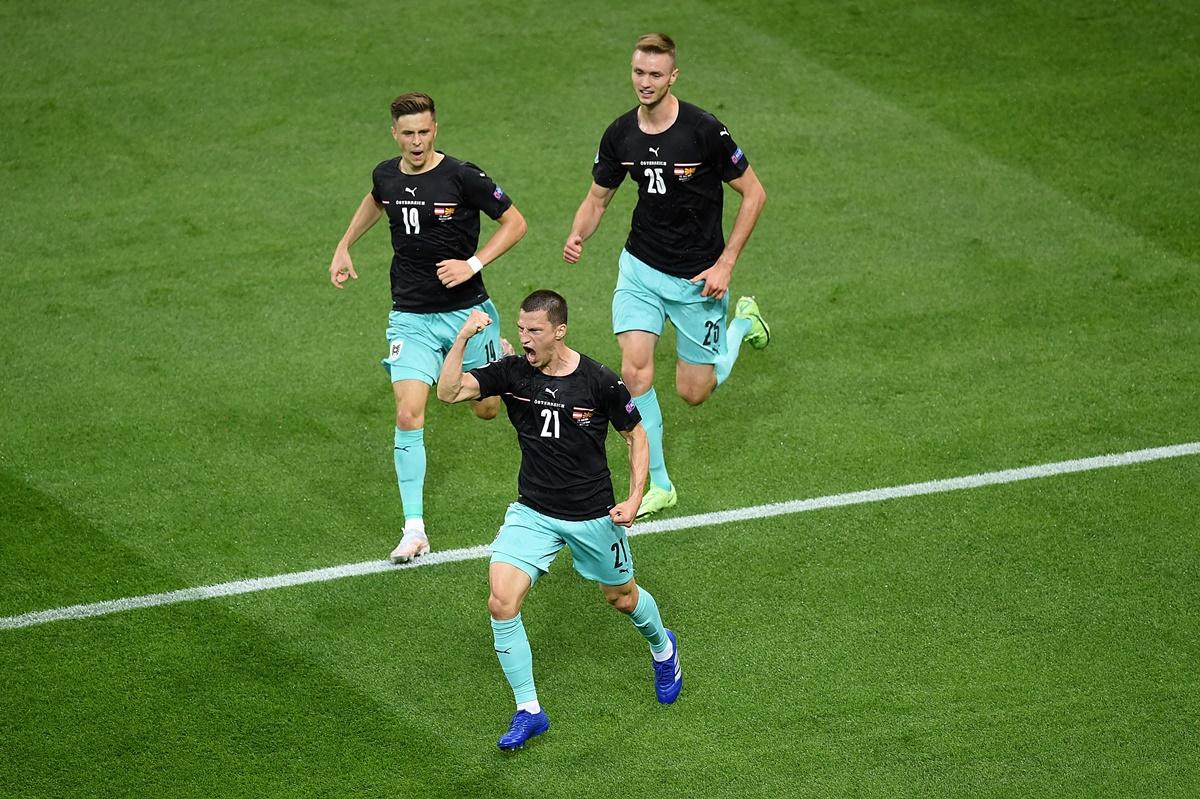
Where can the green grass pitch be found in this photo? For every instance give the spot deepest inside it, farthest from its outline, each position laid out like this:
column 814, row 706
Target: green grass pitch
column 979, row 252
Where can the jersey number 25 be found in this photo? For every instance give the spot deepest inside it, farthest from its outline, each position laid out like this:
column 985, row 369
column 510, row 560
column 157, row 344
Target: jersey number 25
column 654, row 181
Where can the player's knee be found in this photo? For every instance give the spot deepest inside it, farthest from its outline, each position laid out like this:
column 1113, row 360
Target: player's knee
column 637, row 378
column 503, row 608
column 625, row 602
column 407, row 419
column 694, row 394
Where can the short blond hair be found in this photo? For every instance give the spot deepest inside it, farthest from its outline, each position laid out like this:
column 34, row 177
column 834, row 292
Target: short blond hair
column 659, row 43
column 413, row 103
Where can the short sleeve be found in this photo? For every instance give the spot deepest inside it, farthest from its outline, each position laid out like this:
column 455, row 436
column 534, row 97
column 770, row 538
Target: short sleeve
column 493, row 378
column 375, row 193
column 481, row 192
column 724, row 150
column 618, row 405
column 607, row 170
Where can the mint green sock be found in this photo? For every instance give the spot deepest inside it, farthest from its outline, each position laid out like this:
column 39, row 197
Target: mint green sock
column 734, row 334
column 648, row 621
column 516, row 658
column 410, row 471
column 652, row 421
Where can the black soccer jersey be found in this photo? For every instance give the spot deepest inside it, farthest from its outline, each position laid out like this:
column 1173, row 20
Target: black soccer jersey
column 561, row 424
column 435, row 216
column 677, row 221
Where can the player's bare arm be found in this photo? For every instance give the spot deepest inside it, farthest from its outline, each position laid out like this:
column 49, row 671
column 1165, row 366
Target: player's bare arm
column 455, row 385
column 341, row 268
column 717, row 277
column 453, row 272
column 587, row 219
column 639, row 468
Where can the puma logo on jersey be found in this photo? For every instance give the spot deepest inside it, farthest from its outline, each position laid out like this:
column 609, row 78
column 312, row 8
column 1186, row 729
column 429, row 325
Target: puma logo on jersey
column 654, row 150
column 723, row 132
column 553, row 392
column 411, row 190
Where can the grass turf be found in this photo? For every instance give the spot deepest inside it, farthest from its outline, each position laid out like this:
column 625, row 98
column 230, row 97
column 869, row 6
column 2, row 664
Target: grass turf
column 978, row 253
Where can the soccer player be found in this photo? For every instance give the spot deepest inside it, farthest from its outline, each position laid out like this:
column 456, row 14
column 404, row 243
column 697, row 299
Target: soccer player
column 561, row 403
column 432, row 201
column 676, row 263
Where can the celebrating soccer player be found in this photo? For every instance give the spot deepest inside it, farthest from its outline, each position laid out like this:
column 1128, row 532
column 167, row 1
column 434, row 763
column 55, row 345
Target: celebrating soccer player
column 561, row 403
column 676, row 263
column 432, row 201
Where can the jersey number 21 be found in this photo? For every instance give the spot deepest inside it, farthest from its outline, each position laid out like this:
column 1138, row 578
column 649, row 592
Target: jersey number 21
column 549, row 423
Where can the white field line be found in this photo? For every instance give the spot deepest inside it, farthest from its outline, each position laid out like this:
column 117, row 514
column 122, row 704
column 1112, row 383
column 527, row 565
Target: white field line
column 646, row 528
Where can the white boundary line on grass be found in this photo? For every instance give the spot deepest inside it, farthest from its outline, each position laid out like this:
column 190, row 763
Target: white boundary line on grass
column 646, row 528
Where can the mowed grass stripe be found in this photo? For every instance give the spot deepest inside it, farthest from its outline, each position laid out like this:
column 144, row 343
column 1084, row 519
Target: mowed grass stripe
column 666, row 525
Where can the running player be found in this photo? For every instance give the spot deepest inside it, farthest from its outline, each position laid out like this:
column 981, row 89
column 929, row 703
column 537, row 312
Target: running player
column 561, row 403
column 432, row 202
column 676, row 263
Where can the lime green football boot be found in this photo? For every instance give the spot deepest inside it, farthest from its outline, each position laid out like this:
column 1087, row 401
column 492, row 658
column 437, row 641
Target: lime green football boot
column 760, row 335
column 657, row 499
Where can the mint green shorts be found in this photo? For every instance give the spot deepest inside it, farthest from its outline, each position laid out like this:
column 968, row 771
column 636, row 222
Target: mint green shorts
column 645, row 298
column 418, row 342
column 530, row 540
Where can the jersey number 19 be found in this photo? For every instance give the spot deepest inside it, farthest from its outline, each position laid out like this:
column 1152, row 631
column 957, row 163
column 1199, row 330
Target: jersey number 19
column 412, row 222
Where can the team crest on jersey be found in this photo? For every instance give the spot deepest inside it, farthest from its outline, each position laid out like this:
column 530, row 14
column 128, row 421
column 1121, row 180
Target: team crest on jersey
column 685, row 172
column 444, row 211
column 582, row 416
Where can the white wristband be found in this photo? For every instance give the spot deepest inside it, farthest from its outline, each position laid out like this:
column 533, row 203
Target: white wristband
column 475, row 264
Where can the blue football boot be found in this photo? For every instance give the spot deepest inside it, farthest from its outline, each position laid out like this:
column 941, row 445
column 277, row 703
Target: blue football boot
column 668, row 677
column 524, row 725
